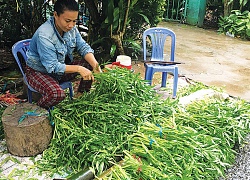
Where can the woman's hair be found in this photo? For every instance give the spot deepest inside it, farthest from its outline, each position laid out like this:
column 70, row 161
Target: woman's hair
column 63, row 5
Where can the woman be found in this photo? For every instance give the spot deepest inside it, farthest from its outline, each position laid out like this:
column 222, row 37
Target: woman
column 50, row 55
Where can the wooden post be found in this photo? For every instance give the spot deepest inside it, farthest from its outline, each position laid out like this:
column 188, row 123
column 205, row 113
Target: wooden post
column 29, row 137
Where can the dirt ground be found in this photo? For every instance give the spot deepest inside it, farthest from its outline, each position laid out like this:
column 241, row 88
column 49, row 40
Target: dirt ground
column 211, row 58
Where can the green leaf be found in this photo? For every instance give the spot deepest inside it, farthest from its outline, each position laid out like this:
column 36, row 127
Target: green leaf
column 133, row 2
column 110, row 16
column 145, row 18
column 112, row 50
column 248, row 32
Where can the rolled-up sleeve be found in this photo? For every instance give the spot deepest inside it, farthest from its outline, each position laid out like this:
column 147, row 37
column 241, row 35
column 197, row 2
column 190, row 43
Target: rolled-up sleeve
column 83, row 47
column 48, row 55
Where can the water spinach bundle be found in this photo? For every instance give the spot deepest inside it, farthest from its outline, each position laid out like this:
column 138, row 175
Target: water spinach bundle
column 122, row 119
column 93, row 131
column 197, row 144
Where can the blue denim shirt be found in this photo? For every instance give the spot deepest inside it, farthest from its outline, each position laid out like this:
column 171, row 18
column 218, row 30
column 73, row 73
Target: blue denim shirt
column 48, row 49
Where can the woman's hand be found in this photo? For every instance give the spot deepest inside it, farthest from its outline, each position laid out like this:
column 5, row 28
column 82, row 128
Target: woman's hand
column 85, row 73
column 90, row 58
column 97, row 69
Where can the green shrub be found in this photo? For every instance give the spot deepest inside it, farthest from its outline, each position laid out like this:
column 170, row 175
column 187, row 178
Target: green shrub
column 20, row 19
column 237, row 24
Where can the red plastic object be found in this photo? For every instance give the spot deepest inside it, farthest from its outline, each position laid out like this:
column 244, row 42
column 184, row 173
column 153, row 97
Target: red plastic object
column 120, row 65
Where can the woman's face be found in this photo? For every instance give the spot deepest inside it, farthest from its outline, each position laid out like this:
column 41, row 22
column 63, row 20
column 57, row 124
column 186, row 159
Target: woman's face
column 66, row 21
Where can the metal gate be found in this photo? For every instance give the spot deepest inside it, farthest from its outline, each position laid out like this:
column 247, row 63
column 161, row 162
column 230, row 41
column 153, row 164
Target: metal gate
column 176, row 10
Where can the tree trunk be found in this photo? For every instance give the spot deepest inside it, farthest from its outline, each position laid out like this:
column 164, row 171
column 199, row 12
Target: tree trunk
column 93, row 11
column 118, row 42
column 29, row 137
column 227, row 7
column 94, row 21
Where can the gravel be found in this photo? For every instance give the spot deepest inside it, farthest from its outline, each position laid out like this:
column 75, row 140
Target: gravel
column 241, row 168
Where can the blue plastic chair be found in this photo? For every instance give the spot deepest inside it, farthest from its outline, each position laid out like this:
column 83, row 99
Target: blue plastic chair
column 22, row 47
column 158, row 36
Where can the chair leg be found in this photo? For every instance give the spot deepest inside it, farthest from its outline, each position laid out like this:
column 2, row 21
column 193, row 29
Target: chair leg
column 175, row 83
column 29, row 94
column 149, row 75
column 164, row 79
column 71, row 92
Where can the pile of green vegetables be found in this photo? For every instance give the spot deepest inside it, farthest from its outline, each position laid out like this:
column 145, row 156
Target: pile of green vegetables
column 92, row 131
column 123, row 119
column 199, row 143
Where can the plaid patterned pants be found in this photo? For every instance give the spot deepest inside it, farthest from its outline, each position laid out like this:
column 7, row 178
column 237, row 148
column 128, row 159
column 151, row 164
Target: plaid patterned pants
column 49, row 87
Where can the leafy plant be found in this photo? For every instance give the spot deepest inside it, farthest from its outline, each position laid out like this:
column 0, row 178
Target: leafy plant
column 10, row 26
column 242, row 4
column 123, row 118
column 196, row 144
column 185, row 91
column 20, row 19
column 237, row 24
column 93, row 130
column 118, row 23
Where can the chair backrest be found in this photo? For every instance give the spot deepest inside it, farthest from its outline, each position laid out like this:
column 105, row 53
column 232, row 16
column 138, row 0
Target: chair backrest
column 21, row 47
column 158, row 36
